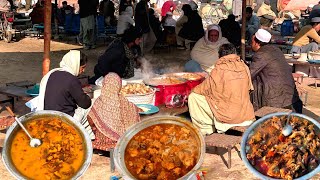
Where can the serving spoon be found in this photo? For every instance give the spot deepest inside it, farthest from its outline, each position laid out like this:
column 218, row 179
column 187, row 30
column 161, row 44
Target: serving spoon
column 287, row 129
column 34, row 142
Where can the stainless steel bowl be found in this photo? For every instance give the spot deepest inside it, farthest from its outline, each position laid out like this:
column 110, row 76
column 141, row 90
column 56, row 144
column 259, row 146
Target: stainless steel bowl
column 6, row 158
column 124, row 140
column 249, row 132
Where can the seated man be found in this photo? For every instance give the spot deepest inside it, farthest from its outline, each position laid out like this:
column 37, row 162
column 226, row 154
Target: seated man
column 252, row 24
column 301, row 43
column 266, row 15
column 204, row 54
column 307, row 40
column 271, row 75
column 231, row 30
column 222, row 100
column 120, row 56
column 189, row 28
column 65, row 10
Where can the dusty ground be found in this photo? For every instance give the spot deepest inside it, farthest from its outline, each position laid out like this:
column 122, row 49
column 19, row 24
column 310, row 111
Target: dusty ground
column 23, row 61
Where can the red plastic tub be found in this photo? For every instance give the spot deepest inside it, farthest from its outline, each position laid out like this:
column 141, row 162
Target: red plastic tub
column 167, row 93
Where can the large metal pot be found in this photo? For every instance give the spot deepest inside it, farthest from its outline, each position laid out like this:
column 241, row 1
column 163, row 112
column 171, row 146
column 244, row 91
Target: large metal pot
column 46, row 113
column 249, row 132
column 124, row 140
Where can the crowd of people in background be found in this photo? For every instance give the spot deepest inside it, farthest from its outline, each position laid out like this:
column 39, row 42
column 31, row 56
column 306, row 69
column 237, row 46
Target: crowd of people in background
column 228, row 96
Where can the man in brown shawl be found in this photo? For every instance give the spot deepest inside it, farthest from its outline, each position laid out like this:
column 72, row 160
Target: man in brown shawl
column 222, row 100
column 271, row 75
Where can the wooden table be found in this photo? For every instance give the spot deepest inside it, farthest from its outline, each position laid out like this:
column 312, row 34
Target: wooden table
column 14, row 92
column 294, row 62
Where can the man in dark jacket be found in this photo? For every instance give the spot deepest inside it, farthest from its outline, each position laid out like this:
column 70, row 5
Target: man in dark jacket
column 120, row 56
column 271, row 75
column 141, row 16
column 231, row 30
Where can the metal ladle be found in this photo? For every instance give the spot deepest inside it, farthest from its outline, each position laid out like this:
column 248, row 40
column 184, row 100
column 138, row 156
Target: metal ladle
column 287, row 129
column 34, row 142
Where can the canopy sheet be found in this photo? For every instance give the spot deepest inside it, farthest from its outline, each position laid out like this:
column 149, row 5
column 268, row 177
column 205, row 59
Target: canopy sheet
column 300, row 4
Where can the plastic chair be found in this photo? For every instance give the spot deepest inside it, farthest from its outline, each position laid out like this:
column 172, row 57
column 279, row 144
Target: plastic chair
column 100, row 24
column 68, row 23
column 75, row 24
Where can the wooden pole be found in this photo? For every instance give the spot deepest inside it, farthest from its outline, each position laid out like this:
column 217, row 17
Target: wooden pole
column 243, row 31
column 47, row 37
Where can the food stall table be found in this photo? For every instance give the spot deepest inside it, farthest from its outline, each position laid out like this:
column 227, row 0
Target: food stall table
column 163, row 110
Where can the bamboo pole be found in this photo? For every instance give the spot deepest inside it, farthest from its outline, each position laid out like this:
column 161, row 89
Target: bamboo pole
column 243, row 30
column 47, row 37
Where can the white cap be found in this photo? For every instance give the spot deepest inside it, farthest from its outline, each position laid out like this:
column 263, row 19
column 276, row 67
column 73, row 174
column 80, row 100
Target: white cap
column 315, row 19
column 310, row 5
column 169, row 13
column 263, row 35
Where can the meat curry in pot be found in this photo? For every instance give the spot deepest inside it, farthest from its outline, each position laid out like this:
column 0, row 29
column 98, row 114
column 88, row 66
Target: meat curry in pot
column 162, row 152
column 278, row 156
column 60, row 155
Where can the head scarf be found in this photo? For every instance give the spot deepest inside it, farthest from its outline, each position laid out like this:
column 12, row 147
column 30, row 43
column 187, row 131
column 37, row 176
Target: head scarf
column 69, row 63
column 205, row 52
column 221, row 40
column 112, row 113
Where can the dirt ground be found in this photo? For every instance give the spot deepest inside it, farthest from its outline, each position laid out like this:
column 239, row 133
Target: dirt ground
column 23, row 61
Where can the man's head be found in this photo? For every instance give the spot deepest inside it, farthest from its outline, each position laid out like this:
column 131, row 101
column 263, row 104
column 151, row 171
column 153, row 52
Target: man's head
column 267, row 2
column 315, row 23
column 227, row 49
column 231, row 17
column 64, row 4
column 186, row 8
column 310, row 7
column 249, row 12
column 83, row 62
column 259, row 39
column 132, row 36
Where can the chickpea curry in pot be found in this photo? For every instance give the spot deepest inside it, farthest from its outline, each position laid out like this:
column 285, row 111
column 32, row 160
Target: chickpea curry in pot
column 60, row 155
column 162, row 151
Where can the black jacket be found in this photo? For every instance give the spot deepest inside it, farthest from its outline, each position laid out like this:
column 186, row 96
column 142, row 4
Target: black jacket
column 193, row 29
column 114, row 59
column 141, row 16
column 88, row 7
column 64, row 93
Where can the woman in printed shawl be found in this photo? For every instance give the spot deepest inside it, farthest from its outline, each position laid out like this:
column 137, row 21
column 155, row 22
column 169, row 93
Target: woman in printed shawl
column 111, row 114
column 205, row 52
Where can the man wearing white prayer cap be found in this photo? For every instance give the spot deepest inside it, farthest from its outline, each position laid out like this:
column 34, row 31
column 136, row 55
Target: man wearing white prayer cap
column 271, row 76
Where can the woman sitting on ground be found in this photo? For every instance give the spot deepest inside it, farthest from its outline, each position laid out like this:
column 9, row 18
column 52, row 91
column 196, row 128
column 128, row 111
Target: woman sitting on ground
column 205, row 52
column 222, row 100
column 111, row 114
column 61, row 90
